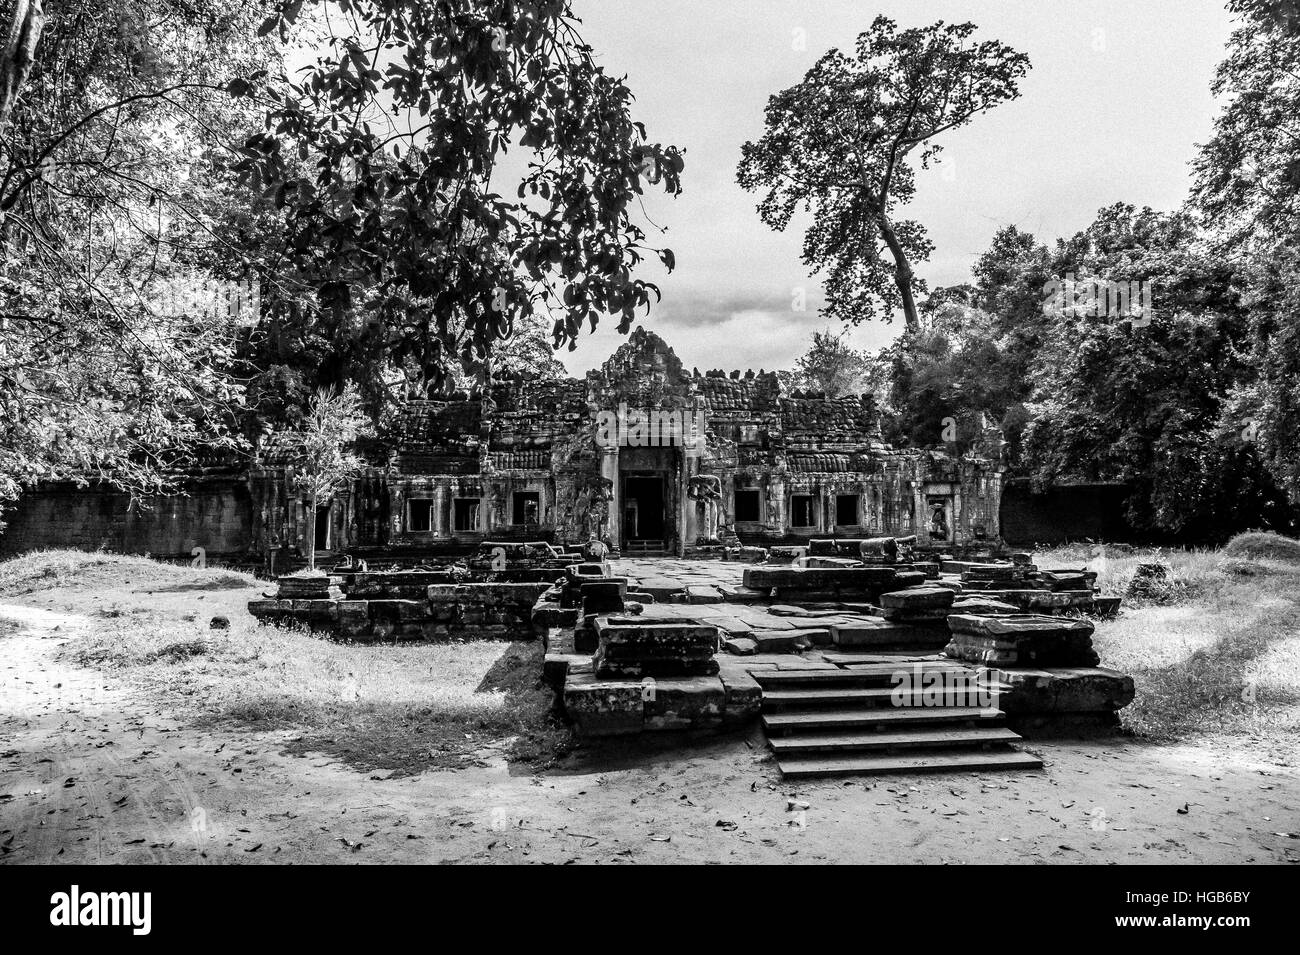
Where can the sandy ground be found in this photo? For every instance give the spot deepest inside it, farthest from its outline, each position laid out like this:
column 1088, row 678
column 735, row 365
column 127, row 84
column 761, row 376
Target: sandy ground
column 91, row 772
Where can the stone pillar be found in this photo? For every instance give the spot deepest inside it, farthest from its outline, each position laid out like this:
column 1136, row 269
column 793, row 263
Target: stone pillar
column 438, row 520
column 614, row 521
column 775, row 515
column 957, row 519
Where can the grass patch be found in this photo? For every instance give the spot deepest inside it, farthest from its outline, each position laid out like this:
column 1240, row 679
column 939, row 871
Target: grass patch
column 41, row 570
column 380, row 708
column 1218, row 653
column 400, row 709
column 1263, row 545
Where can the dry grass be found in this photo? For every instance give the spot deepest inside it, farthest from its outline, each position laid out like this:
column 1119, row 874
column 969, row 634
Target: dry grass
column 1222, row 657
column 380, row 708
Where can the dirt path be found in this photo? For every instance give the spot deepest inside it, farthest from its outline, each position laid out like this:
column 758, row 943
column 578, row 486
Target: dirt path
column 96, row 773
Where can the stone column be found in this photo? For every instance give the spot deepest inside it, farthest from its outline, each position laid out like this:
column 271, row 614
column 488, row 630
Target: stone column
column 438, row 519
column 614, row 521
column 775, row 515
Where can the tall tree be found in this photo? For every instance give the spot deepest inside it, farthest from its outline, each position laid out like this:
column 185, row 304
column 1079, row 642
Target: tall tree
column 422, row 242
column 841, row 144
column 1247, row 189
column 1157, row 404
column 114, row 363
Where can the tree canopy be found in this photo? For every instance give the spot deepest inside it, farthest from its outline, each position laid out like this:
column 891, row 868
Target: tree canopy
column 842, row 144
column 443, row 171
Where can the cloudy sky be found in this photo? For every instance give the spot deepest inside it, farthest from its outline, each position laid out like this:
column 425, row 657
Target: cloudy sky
column 1112, row 110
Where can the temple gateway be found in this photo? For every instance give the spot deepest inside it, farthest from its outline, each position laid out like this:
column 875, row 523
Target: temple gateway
column 648, row 457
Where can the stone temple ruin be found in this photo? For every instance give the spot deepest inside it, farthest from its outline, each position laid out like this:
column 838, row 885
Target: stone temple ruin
column 643, row 455
column 702, row 552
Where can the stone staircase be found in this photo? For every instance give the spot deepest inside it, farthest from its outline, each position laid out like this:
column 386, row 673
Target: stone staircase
column 846, row 722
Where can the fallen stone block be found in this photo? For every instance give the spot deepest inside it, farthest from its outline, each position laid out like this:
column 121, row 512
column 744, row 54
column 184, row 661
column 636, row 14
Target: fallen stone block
column 740, row 594
column 1040, row 600
column 917, row 598
column 872, row 633
column 740, row 646
column 1065, row 690
column 933, row 615
column 1021, row 640
column 600, row 707
column 743, row 696
column 702, row 594
column 820, row 578
column 680, row 703
column 1065, row 581
column 827, row 562
column 983, row 607
column 791, row 641
column 1020, row 626
column 790, row 610
column 268, row 608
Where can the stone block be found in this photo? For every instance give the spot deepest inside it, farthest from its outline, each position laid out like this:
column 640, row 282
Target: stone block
column 546, row 616
column 812, row 561
column 603, row 707
column 983, row 607
column 266, row 608
column 744, row 696
column 603, row 596
column 791, row 641
column 1065, row 690
column 820, row 578
column 869, row 633
column 397, row 610
column 702, row 594
column 740, row 646
column 679, row 703
column 1024, row 640
column 917, row 598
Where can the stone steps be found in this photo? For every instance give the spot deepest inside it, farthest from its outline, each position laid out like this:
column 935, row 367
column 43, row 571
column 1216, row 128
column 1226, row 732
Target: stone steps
column 867, row 720
column 894, row 740
column 942, row 762
column 862, row 674
column 867, row 696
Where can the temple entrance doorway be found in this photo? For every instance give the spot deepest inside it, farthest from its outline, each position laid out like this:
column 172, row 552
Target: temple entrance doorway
column 643, row 513
column 644, row 506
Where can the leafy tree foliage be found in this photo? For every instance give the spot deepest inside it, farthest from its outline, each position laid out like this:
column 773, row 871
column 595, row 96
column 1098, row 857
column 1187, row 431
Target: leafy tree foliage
column 841, row 144
column 444, row 171
column 834, row 367
column 1248, row 190
column 948, row 381
column 113, row 363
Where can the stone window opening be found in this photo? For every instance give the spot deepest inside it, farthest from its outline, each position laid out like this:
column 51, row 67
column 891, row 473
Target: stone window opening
column 465, row 514
column 747, row 506
column 526, row 508
column 846, row 510
column 803, row 511
column 419, row 515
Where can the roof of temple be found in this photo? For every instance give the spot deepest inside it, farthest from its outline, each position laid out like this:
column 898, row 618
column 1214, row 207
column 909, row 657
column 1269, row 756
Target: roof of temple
column 522, row 418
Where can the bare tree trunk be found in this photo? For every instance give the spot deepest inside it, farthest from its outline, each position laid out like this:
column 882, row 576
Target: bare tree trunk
column 902, row 274
column 311, row 534
column 22, row 22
